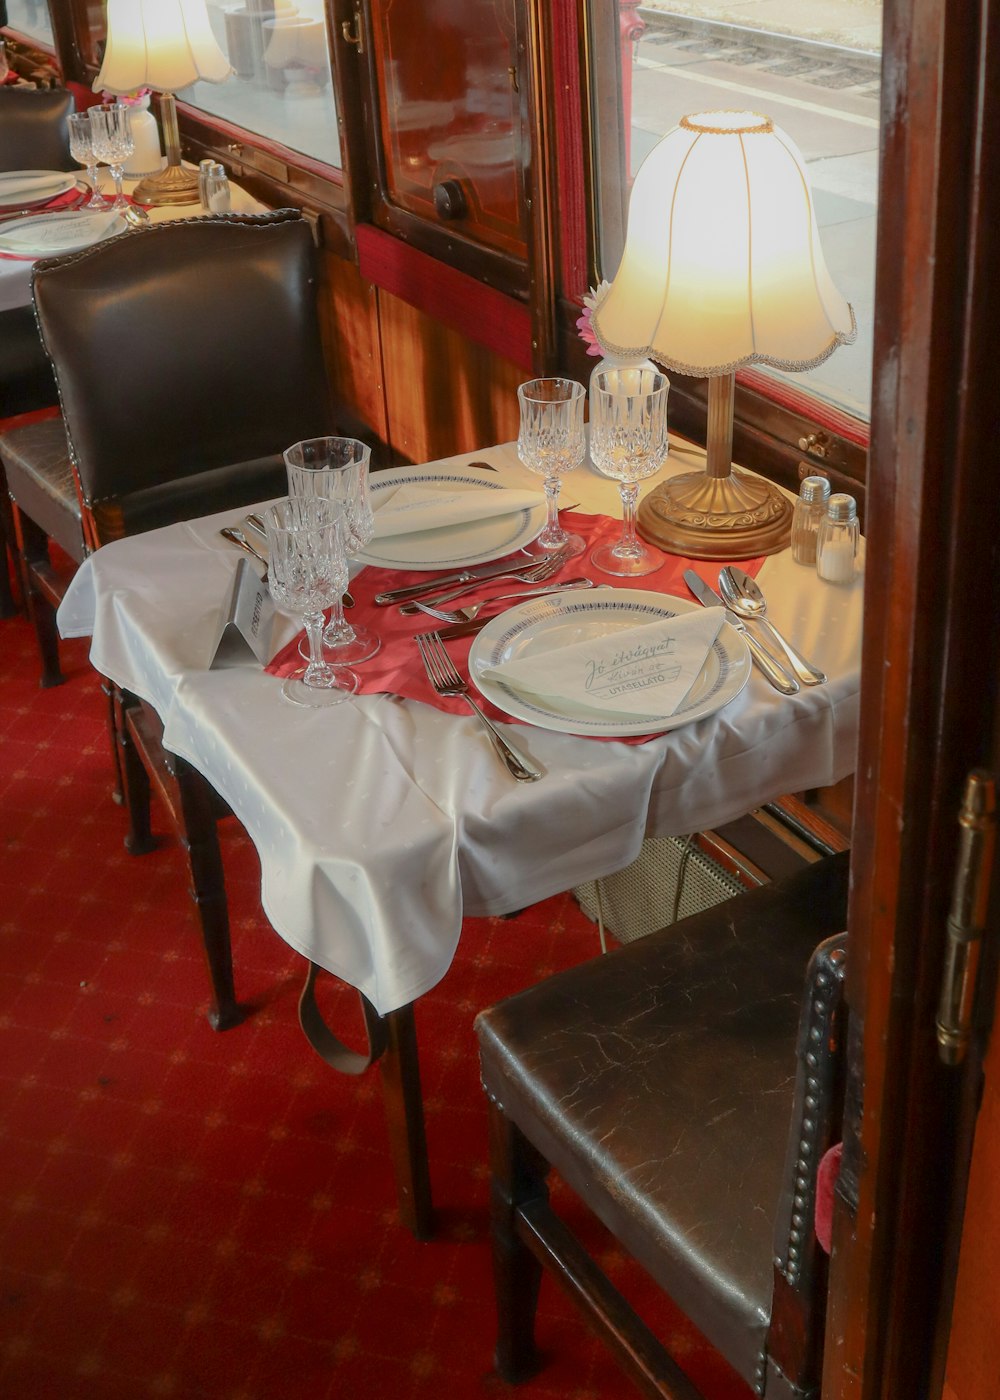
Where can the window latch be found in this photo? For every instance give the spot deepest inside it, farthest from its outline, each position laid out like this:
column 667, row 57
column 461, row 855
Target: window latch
column 352, row 31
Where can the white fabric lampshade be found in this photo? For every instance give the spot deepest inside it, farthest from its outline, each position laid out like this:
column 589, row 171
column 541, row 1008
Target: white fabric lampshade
column 722, row 264
column 161, row 44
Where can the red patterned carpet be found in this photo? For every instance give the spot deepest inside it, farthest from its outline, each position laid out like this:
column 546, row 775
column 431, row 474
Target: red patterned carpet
column 191, row 1214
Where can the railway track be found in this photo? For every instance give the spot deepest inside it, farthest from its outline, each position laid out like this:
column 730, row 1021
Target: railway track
column 824, row 65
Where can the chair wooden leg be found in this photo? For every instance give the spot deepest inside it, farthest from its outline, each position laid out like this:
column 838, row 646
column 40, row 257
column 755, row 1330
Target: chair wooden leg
column 8, row 553
column 133, row 780
column 518, row 1177
column 404, row 1108
column 33, row 548
column 208, row 890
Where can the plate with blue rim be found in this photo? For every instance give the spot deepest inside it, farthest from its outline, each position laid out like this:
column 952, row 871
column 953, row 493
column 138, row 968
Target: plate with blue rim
column 453, row 546
column 561, row 619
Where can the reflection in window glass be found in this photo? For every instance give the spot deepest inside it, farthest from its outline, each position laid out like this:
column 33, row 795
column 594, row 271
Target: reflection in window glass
column 282, row 85
column 820, row 83
column 31, row 18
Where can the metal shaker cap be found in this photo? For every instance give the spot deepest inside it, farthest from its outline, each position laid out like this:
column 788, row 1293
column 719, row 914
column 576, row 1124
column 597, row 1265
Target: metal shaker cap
column 842, row 509
column 814, row 488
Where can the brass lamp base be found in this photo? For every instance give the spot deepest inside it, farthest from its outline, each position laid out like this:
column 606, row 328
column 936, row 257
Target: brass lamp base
column 737, row 516
column 173, row 185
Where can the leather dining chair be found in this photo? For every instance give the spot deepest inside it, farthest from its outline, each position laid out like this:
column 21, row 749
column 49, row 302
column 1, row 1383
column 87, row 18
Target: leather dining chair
column 685, row 1088
column 187, row 356
column 34, row 135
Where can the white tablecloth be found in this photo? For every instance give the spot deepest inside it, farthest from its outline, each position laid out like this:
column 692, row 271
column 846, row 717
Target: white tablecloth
column 15, row 273
column 381, row 822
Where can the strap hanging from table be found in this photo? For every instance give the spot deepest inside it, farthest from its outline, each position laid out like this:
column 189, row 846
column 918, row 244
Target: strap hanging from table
column 322, row 1039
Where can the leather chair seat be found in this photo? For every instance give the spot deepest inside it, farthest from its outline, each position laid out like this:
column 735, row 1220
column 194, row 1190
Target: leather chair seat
column 40, row 479
column 659, row 1083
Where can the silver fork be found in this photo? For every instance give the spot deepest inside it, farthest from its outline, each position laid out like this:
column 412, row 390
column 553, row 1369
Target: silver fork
column 474, row 609
column 532, row 573
column 445, row 679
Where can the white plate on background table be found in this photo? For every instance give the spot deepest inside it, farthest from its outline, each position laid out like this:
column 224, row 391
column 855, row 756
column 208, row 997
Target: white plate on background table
column 453, row 546
column 50, row 235
column 24, row 189
column 545, row 624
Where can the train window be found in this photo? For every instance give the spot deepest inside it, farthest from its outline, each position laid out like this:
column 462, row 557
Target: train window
column 282, row 83
column 450, row 145
column 30, row 18
column 821, row 83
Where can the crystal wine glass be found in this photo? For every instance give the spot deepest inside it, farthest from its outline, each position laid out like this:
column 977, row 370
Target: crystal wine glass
column 551, row 442
column 628, row 441
column 111, row 137
column 307, row 571
column 82, row 150
column 336, row 468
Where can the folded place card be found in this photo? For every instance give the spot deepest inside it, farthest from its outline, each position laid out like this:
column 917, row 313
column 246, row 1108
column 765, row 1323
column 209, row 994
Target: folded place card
column 645, row 671
column 247, row 622
column 414, row 508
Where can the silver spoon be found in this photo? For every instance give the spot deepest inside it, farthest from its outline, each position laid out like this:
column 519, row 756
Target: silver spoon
column 741, row 594
column 135, row 216
column 237, row 537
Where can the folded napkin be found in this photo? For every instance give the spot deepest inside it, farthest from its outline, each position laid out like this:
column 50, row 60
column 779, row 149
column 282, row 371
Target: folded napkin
column 646, row 671
column 58, row 232
column 21, row 186
column 413, row 508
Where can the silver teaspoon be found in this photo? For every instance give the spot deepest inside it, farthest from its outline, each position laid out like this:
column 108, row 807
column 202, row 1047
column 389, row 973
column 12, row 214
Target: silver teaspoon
column 742, row 594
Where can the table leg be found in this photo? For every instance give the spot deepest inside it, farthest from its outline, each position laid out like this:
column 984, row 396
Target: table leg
column 392, row 1039
column 208, row 890
column 404, row 1108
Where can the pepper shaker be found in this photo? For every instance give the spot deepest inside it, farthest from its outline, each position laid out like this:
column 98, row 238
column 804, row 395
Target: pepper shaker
column 810, row 508
column 838, row 540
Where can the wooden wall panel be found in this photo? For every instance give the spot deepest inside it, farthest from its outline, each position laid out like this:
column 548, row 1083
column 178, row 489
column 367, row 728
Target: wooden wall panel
column 350, row 323
column 444, row 394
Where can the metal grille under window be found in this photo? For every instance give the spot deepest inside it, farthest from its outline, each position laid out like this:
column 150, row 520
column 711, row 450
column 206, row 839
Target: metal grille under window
column 643, row 897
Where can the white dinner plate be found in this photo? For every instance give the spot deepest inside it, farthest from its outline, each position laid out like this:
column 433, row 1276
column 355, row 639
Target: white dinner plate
column 454, row 546
column 545, row 624
column 49, row 235
column 23, row 189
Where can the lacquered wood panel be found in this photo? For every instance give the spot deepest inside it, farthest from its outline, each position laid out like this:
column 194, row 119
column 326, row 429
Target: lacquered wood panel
column 349, row 319
column 443, row 394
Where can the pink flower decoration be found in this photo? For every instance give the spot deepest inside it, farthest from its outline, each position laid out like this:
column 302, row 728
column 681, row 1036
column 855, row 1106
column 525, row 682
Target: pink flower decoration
column 591, row 302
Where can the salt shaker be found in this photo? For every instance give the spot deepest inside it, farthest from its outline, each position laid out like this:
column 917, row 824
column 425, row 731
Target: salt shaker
column 203, row 168
column 838, row 540
column 217, row 193
column 810, row 509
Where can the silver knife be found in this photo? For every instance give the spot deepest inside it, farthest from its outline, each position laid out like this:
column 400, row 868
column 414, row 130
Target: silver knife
column 771, row 668
column 416, row 590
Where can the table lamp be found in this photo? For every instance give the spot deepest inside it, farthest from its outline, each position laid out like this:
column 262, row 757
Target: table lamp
column 722, row 268
column 165, row 45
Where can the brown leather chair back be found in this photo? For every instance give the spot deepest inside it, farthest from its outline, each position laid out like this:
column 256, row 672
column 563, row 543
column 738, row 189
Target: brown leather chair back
column 188, row 356
column 34, row 134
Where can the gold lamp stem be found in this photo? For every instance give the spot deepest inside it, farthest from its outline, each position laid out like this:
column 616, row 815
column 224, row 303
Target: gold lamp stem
column 720, row 513
column 174, row 184
column 721, row 402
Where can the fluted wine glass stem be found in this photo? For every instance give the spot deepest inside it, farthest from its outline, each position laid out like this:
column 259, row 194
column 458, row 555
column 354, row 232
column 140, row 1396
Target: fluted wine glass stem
column 317, row 671
column 553, row 532
column 118, row 171
column 628, row 545
column 338, row 630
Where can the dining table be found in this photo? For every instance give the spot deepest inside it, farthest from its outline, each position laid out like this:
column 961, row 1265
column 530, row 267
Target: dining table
column 384, row 821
